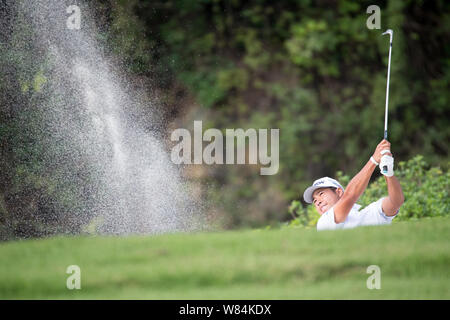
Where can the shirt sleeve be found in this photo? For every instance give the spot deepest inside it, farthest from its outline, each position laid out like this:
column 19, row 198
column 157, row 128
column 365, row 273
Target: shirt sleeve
column 374, row 214
column 380, row 210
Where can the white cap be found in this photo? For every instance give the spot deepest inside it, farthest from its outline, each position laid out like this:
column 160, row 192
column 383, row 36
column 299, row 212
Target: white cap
column 324, row 182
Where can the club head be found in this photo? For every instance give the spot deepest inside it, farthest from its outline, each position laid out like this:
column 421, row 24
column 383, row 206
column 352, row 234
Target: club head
column 389, row 32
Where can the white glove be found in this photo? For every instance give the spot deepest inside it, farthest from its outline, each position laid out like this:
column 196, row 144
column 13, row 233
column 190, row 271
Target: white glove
column 387, row 164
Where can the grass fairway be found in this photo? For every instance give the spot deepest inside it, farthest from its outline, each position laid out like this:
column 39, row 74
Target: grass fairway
column 414, row 259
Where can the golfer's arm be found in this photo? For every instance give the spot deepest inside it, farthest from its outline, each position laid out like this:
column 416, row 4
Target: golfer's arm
column 354, row 190
column 394, row 201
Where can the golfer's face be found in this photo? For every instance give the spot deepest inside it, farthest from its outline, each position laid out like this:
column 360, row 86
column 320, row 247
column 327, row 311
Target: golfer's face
column 324, row 199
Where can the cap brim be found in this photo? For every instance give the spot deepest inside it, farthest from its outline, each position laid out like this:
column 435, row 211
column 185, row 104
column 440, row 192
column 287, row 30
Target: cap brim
column 307, row 195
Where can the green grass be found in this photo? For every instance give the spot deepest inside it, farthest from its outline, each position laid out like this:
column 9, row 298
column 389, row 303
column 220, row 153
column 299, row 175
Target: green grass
column 414, row 259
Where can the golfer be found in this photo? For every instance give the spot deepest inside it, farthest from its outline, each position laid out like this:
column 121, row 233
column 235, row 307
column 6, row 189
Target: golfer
column 338, row 208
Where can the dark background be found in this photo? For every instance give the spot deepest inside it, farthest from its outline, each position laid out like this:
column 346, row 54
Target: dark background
column 310, row 68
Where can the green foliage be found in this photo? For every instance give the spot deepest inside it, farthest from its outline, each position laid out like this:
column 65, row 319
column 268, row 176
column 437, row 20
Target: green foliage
column 205, row 85
column 126, row 36
column 212, row 86
column 426, row 190
column 314, row 71
column 305, row 217
column 39, row 189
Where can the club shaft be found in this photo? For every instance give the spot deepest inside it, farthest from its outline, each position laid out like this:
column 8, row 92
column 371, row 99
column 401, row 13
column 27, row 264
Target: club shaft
column 387, row 91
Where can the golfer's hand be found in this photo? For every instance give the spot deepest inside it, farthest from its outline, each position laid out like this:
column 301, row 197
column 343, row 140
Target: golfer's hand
column 383, row 145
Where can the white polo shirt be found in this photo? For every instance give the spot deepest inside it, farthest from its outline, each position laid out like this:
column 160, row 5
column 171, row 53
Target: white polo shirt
column 371, row 215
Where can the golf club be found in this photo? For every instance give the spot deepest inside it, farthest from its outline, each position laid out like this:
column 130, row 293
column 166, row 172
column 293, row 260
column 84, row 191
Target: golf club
column 391, row 35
